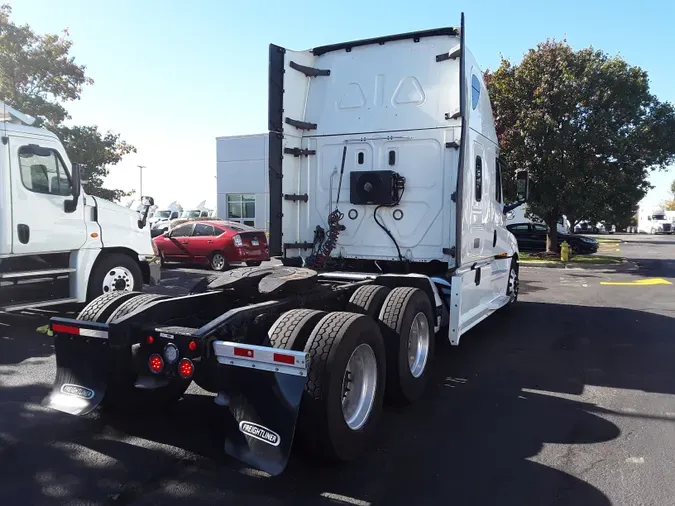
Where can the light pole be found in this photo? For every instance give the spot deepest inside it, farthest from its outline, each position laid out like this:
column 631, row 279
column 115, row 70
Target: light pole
column 141, row 167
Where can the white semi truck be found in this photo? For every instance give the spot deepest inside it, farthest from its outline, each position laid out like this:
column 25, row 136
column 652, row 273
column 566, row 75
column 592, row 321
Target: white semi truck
column 653, row 220
column 199, row 211
column 166, row 214
column 386, row 209
column 57, row 244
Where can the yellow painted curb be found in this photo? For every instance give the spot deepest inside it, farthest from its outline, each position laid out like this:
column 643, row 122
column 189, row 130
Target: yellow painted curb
column 639, row 282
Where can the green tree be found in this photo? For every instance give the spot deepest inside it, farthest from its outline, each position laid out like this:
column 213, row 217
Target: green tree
column 38, row 76
column 669, row 205
column 95, row 152
column 585, row 126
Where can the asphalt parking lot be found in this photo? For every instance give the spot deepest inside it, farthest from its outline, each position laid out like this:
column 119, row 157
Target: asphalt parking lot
column 569, row 399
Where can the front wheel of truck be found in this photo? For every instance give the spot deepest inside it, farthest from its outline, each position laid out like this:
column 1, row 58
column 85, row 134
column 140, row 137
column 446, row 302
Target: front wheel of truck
column 513, row 286
column 114, row 272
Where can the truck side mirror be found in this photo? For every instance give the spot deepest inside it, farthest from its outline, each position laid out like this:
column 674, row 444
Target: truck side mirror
column 522, row 191
column 522, row 186
column 148, row 202
column 76, row 185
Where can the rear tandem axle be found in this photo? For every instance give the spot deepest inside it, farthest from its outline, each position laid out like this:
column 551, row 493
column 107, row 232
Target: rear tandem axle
column 277, row 345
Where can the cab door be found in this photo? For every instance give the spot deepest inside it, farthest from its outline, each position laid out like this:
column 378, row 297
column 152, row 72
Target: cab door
column 44, row 219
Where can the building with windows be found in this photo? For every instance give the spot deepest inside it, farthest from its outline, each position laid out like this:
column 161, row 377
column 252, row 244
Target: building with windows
column 242, row 174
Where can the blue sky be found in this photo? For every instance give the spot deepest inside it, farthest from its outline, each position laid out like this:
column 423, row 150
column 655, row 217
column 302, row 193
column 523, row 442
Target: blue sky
column 171, row 76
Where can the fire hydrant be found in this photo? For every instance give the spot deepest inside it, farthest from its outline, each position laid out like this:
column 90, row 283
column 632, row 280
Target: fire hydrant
column 565, row 252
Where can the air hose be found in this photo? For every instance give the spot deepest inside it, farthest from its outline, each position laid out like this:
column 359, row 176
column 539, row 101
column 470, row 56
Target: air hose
column 324, row 244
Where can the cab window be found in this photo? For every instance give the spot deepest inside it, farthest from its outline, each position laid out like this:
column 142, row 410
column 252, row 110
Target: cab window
column 44, row 173
column 498, row 180
column 479, row 179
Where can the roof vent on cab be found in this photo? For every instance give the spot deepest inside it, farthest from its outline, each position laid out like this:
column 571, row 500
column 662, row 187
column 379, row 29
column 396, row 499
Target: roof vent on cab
column 10, row 115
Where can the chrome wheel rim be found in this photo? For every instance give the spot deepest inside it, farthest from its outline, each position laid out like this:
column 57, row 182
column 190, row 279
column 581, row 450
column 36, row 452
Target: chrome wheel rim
column 359, row 386
column 118, row 279
column 218, row 261
column 418, row 345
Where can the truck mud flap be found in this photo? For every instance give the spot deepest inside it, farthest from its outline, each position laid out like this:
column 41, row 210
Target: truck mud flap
column 264, row 410
column 82, row 358
column 264, row 400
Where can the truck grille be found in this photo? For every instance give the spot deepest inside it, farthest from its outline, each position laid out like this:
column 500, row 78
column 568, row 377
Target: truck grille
column 667, row 227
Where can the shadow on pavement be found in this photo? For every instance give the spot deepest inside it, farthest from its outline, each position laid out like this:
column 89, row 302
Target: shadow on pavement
column 655, row 267
column 469, row 440
column 530, row 286
column 19, row 339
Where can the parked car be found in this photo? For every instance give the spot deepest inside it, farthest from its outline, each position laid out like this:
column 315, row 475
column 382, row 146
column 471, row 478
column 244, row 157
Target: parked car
column 167, row 225
column 532, row 237
column 215, row 243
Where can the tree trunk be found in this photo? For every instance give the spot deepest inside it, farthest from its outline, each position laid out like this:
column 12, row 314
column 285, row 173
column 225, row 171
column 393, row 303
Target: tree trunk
column 552, row 237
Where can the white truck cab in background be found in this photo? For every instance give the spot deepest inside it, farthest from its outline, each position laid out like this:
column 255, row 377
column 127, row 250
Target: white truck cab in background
column 165, row 215
column 653, row 220
column 199, row 211
column 58, row 244
column 670, row 216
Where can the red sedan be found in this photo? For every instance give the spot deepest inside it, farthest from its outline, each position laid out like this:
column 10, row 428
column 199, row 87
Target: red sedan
column 216, row 243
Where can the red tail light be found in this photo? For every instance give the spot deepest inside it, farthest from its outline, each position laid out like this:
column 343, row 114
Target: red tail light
column 186, row 368
column 192, row 345
column 150, row 340
column 156, row 363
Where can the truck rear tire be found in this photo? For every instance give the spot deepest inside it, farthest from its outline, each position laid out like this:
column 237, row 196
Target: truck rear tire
column 114, row 272
column 99, row 309
column 293, row 328
column 368, row 300
column 120, row 390
column 131, row 305
column 337, row 422
column 407, row 327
